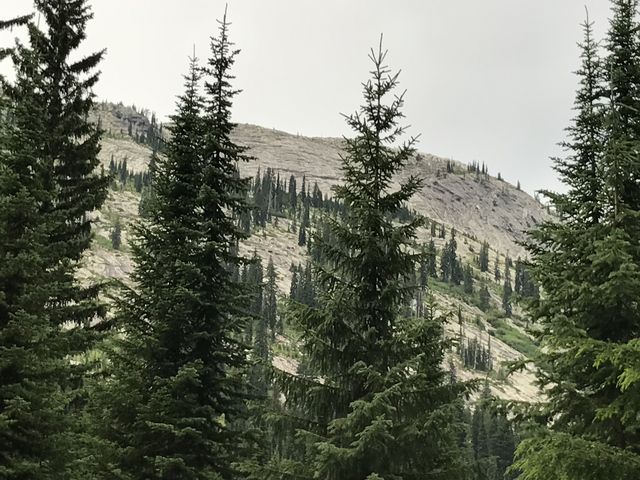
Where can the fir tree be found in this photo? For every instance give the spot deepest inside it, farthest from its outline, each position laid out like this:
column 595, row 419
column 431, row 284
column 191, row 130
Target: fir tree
column 449, row 264
column 293, row 194
column 302, row 235
column 178, row 390
column 362, row 414
column 506, row 297
column 484, row 298
column 430, row 260
column 270, row 308
column 588, row 265
column 116, row 235
column 49, row 181
column 483, row 258
column 493, row 440
column 293, row 288
column 468, row 280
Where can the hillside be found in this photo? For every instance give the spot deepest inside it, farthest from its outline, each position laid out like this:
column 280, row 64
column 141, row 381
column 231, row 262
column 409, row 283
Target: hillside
column 479, row 207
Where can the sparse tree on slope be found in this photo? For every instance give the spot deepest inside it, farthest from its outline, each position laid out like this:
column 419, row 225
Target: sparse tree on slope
column 270, row 310
column 483, row 257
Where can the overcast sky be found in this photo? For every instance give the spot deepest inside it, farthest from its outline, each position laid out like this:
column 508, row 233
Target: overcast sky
column 486, row 80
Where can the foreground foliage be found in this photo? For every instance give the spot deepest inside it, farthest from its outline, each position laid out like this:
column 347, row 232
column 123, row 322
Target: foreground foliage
column 588, row 264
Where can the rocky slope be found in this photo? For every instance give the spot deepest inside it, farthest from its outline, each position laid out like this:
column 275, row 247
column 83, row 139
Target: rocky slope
column 479, row 207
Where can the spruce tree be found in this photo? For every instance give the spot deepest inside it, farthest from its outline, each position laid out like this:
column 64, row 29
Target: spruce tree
column 270, row 308
column 484, row 298
column 493, row 440
column 378, row 404
column 507, row 291
column 116, row 235
column 588, row 265
column 178, row 387
column 48, row 183
column 430, row 261
column 483, row 257
column 468, row 279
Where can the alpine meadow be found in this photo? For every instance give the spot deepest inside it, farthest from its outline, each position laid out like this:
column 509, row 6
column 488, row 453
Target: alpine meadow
column 187, row 297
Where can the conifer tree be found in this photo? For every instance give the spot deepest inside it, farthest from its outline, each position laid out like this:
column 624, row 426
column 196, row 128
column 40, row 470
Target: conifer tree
column 270, row 308
column 293, row 288
column 507, row 291
column 179, row 388
column 430, row 261
column 116, row 235
column 49, row 181
column 483, row 257
column 377, row 405
column 497, row 274
column 449, row 264
column 468, row 279
column 484, row 298
column 293, row 194
column 493, row 440
column 302, row 235
column 588, row 265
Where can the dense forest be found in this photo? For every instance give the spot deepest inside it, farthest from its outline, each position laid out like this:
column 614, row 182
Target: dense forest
column 173, row 375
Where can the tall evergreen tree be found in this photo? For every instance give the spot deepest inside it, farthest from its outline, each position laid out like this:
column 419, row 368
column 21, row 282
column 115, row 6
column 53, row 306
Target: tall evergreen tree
column 483, row 257
column 588, row 265
column 377, row 405
column 178, row 388
column 116, row 235
column 430, row 260
column 493, row 440
column 48, row 184
column 484, row 298
column 507, row 291
column 468, row 279
column 270, row 300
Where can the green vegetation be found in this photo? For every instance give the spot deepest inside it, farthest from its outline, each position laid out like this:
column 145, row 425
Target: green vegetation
column 588, row 265
column 513, row 336
column 174, row 378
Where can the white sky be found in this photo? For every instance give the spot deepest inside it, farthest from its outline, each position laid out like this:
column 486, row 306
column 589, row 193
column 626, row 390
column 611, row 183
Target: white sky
column 486, row 80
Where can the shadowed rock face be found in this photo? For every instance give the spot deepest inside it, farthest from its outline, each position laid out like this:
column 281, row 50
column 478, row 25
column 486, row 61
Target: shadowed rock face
column 478, row 207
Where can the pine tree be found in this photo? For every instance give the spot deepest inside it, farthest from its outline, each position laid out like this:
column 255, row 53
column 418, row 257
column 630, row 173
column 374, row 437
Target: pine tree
column 270, row 308
column 378, row 398
column 293, row 194
column 49, row 180
column 449, row 265
column 497, row 275
column 507, row 291
column 493, row 440
column 483, row 258
column 116, row 235
column 588, row 265
column 302, row 235
column 484, row 298
column 178, row 390
column 430, row 261
column 468, row 279
column 293, row 288
column 257, row 329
